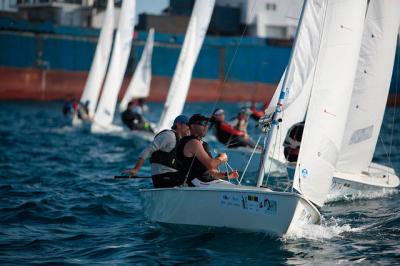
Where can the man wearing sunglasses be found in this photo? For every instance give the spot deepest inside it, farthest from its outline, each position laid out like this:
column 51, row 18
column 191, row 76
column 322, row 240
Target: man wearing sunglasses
column 162, row 153
column 195, row 160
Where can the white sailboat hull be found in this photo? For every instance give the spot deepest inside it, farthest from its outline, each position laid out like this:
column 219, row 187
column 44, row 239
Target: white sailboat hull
column 378, row 178
column 346, row 185
column 239, row 157
column 238, row 207
column 105, row 129
column 144, row 135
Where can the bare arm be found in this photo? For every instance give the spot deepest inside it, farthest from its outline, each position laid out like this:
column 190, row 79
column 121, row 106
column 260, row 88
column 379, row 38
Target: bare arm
column 195, row 148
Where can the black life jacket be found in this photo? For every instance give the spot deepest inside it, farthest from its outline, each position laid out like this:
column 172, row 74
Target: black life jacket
column 163, row 157
column 190, row 166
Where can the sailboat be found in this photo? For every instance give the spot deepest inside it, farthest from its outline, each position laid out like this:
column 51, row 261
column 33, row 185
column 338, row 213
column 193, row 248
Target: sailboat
column 102, row 121
column 178, row 90
column 337, row 25
column 99, row 65
column 139, row 86
column 355, row 171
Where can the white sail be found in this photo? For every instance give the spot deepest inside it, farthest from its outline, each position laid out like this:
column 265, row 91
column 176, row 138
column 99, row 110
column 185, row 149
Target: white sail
column 139, row 86
column 371, row 86
column 119, row 60
column 100, row 60
column 194, row 38
column 330, row 98
column 300, row 76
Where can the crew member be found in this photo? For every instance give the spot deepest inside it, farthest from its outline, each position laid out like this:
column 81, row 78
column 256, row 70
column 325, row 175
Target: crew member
column 195, row 160
column 162, row 153
column 133, row 118
column 227, row 134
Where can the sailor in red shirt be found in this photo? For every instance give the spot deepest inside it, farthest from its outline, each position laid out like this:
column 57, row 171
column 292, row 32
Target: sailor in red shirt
column 227, row 134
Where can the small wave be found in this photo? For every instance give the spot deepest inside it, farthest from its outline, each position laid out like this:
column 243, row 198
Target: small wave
column 64, row 129
column 375, row 194
column 328, row 229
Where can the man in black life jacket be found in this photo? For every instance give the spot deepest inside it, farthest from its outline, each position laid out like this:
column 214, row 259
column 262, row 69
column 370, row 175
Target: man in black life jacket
column 195, row 160
column 162, row 155
column 227, row 134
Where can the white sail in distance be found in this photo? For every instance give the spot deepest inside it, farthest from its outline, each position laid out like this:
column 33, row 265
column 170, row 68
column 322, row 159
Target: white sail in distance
column 119, row 59
column 100, row 61
column 371, row 86
column 330, row 98
column 194, row 38
column 139, row 86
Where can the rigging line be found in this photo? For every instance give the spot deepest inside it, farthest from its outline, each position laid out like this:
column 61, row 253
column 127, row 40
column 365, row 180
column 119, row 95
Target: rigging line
column 251, row 157
column 234, row 57
column 227, row 165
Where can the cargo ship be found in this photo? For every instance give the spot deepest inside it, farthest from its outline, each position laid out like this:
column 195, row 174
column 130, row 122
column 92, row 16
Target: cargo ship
column 45, row 61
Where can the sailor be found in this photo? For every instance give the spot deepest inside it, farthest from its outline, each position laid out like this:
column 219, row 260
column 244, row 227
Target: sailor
column 227, row 134
column 257, row 114
column 195, row 160
column 292, row 142
column 70, row 107
column 241, row 121
column 133, row 118
column 162, row 153
column 83, row 111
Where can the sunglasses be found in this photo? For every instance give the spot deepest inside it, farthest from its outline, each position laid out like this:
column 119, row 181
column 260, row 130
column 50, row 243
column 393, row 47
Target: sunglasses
column 201, row 123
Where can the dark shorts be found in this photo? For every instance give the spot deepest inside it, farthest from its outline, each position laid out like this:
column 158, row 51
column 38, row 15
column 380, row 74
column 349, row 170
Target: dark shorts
column 172, row 179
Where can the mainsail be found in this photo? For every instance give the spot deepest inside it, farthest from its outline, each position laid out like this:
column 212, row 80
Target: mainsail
column 330, row 97
column 100, row 60
column 119, row 60
column 371, row 86
column 300, row 76
column 194, row 38
column 139, row 87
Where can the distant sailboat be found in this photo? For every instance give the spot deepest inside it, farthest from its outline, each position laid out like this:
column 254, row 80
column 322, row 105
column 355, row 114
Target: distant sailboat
column 222, row 204
column 104, row 115
column 195, row 34
column 100, row 62
column 139, row 86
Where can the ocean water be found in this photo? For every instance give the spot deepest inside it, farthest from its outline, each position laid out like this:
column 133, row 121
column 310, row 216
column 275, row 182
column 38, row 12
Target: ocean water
column 61, row 206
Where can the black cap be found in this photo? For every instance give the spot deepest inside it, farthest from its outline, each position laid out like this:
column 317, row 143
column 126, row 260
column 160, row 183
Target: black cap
column 197, row 118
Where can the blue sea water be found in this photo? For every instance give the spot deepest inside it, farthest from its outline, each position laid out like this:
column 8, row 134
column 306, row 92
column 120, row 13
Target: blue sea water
column 61, row 206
